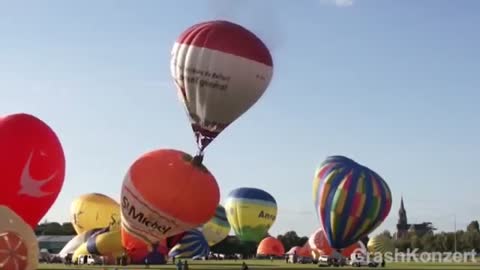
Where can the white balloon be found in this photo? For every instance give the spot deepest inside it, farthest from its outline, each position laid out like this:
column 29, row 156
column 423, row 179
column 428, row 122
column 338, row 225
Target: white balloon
column 216, row 86
column 11, row 225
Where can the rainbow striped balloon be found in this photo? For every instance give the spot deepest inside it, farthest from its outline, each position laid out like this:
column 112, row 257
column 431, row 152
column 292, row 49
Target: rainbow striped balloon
column 350, row 200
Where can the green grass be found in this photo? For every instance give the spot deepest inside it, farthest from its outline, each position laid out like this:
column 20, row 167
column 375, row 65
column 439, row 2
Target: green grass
column 265, row 265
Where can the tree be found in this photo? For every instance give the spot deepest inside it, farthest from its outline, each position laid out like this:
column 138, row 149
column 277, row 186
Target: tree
column 428, row 242
column 416, row 243
column 387, row 234
column 68, row 229
column 473, row 226
column 291, row 239
column 402, row 244
column 55, row 228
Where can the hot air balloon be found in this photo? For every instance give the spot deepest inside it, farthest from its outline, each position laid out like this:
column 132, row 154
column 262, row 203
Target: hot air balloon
column 165, row 192
column 104, row 242
column 32, row 166
column 192, row 245
column 294, row 250
column 251, row 212
column 270, row 246
column 221, row 70
column 77, row 241
column 18, row 243
column 94, row 210
column 351, row 200
column 138, row 250
column 317, row 241
column 356, row 248
column 380, row 244
column 217, row 228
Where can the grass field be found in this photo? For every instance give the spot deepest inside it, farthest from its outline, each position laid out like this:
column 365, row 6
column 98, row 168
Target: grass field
column 265, row 265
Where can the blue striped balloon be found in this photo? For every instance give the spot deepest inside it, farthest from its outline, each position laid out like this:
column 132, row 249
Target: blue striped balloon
column 192, row 244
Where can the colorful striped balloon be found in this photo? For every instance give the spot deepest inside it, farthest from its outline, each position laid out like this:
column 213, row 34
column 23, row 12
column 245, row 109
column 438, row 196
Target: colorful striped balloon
column 351, row 200
column 192, row 245
column 217, row 228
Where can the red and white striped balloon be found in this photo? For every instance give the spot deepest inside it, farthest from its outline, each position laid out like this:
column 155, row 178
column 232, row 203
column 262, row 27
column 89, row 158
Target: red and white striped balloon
column 220, row 69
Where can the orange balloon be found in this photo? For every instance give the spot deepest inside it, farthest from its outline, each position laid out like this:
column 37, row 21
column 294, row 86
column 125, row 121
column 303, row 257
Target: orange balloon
column 165, row 193
column 270, row 246
column 305, row 252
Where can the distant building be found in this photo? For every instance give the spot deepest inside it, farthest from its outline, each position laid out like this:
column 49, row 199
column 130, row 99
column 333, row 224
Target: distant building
column 404, row 228
column 53, row 243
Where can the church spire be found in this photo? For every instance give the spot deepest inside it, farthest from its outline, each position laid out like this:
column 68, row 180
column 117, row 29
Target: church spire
column 402, row 213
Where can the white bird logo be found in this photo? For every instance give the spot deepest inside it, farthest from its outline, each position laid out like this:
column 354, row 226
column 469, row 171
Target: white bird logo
column 30, row 186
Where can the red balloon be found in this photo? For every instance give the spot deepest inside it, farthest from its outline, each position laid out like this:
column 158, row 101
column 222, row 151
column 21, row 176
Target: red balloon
column 138, row 250
column 32, row 166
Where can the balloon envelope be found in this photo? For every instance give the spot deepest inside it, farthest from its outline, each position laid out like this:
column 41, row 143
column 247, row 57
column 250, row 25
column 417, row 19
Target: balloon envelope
column 317, row 241
column 32, row 166
column 165, row 193
column 94, row 210
column 221, row 70
column 380, row 244
column 18, row 243
column 351, row 200
column 217, row 228
column 77, row 241
column 103, row 242
column 138, row 250
column 270, row 246
column 251, row 212
column 192, row 245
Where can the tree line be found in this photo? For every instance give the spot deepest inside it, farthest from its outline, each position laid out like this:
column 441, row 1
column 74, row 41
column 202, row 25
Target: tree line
column 461, row 240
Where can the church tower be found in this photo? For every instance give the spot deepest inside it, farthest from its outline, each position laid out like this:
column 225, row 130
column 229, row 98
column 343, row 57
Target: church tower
column 402, row 213
column 402, row 225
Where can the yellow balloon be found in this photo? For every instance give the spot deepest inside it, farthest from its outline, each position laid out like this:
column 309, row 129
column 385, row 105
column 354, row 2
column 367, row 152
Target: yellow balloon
column 380, row 244
column 94, row 210
column 251, row 212
column 104, row 243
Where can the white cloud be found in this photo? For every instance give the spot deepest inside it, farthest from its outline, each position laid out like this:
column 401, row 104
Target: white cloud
column 339, row 3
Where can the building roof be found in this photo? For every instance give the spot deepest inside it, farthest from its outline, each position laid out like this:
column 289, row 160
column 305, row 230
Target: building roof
column 55, row 238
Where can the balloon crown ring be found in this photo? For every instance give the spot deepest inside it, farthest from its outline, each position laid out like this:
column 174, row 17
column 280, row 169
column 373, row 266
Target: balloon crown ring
column 197, row 160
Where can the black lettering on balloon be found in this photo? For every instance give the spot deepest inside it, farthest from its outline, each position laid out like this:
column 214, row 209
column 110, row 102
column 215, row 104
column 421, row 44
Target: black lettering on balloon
column 125, row 203
column 203, row 78
column 266, row 215
column 141, row 218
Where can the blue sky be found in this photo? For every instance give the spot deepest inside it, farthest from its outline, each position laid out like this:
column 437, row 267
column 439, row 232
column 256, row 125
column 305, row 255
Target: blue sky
column 391, row 84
